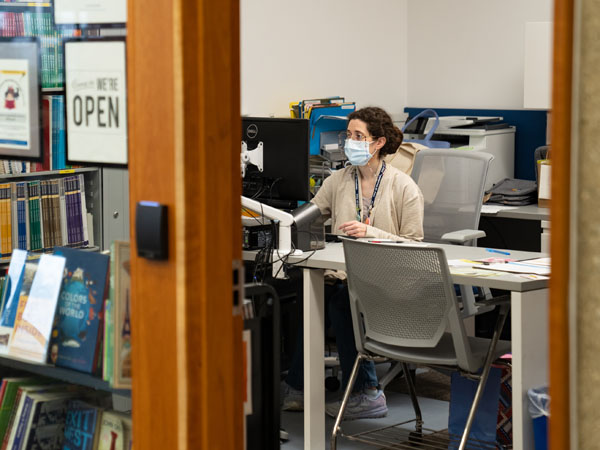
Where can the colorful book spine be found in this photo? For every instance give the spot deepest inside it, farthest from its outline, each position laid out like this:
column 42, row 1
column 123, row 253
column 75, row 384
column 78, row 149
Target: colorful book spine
column 35, row 220
column 22, row 215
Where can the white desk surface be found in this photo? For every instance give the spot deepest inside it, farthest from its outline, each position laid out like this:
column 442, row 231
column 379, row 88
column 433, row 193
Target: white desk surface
column 332, row 257
column 527, row 212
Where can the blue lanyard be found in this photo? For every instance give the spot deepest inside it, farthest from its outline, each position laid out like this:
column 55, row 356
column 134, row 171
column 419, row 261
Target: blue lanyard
column 358, row 202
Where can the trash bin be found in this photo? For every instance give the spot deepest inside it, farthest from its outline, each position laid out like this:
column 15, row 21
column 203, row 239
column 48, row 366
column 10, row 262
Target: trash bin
column 539, row 408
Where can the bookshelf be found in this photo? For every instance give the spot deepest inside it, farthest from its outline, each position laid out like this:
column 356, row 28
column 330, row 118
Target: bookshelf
column 107, row 196
column 93, row 193
column 106, row 189
column 59, row 373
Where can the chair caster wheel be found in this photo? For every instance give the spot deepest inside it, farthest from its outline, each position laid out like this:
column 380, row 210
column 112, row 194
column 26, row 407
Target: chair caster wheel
column 332, row 384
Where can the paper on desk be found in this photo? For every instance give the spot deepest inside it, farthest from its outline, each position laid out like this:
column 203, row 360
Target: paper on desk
column 537, row 262
column 494, row 209
column 517, row 267
column 462, row 263
column 473, row 272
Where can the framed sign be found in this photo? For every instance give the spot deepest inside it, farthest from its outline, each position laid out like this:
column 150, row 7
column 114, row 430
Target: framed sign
column 90, row 12
column 96, row 101
column 20, row 103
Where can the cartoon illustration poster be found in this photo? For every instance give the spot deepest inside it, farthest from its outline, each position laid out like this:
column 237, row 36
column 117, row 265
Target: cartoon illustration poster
column 15, row 119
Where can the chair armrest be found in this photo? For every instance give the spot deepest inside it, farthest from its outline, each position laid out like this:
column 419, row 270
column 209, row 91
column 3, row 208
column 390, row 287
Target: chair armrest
column 462, row 236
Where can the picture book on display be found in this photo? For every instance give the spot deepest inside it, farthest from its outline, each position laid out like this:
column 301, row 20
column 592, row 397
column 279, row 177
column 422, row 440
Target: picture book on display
column 75, row 338
column 35, row 313
column 120, row 311
column 10, row 300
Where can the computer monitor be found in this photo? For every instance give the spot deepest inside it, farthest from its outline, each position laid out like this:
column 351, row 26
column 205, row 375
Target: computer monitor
column 284, row 180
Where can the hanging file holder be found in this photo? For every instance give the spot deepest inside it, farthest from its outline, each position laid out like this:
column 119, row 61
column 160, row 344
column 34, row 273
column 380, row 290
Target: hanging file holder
column 326, row 123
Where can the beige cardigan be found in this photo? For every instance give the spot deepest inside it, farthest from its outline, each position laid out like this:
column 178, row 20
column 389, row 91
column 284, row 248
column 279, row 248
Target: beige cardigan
column 397, row 213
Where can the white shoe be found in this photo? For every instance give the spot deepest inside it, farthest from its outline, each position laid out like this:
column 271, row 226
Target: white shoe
column 360, row 406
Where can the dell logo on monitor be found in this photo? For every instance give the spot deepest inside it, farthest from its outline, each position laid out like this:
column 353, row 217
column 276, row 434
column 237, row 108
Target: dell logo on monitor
column 252, row 131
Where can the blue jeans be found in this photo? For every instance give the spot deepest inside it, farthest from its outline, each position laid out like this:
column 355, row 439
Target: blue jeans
column 337, row 306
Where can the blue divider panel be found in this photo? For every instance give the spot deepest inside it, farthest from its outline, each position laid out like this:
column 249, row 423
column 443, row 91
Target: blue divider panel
column 530, row 134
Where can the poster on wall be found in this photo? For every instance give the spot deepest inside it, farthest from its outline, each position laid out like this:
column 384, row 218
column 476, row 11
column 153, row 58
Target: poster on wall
column 20, row 131
column 90, row 12
column 96, row 101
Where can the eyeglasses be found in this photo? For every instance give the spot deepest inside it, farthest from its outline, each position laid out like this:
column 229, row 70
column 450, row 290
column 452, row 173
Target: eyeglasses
column 357, row 136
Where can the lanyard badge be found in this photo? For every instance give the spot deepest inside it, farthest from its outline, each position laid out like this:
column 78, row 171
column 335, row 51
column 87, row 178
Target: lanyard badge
column 358, row 208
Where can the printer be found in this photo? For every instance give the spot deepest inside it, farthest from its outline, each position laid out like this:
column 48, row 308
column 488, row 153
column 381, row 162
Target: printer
column 486, row 134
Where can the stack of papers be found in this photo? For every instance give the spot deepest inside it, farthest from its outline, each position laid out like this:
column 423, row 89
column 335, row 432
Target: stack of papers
column 539, row 266
column 494, row 209
column 531, row 268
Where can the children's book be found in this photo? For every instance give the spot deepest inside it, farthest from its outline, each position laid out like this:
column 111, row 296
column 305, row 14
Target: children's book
column 11, row 297
column 43, row 428
column 8, row 400
column 35, row 314
column 82, row 428
column 115, row 431
column 75, row 338
column 120, row 307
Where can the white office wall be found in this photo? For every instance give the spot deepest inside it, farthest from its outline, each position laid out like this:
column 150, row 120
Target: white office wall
column 292, row 50
column 469, row 53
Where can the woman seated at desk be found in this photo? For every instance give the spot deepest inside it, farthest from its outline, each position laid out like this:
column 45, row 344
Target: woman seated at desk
column 365, row 199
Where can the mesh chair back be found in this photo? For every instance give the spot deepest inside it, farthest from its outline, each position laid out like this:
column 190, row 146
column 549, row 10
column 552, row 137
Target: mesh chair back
column 399, row 295
column 453, row 185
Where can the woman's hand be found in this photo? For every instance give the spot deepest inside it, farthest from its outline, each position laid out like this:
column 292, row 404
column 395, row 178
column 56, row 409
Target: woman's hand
column 354, row 228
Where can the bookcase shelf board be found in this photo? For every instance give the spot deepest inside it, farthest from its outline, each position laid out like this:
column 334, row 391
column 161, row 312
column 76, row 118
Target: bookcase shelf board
column 58, row 373
column 48, row 173
column 4, row 262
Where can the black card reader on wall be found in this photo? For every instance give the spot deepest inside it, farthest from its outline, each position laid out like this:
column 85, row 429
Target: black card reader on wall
column 151, row 230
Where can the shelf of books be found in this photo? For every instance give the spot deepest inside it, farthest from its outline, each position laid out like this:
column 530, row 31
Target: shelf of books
column 42, row 210
column 65, row 348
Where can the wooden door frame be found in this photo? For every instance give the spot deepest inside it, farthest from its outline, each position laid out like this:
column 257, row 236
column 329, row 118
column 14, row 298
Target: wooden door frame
column 559, row 341
column 184, row 126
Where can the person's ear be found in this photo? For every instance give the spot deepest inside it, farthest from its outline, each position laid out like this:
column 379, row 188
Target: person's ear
column 380, row 142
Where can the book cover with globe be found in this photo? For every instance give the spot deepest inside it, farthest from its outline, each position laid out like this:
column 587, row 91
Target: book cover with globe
column 75, row 337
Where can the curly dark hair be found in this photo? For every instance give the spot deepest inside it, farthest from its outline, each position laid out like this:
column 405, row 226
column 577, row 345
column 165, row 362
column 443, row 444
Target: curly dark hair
column 379, row 124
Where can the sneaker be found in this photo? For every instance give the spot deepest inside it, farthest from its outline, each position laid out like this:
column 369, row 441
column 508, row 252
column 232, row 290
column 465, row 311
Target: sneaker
column 293, row 399
column 360, row 406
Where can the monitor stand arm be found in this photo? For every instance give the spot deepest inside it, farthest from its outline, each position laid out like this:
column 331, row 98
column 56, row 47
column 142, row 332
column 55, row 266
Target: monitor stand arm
column 254, row 157
column 285, row 222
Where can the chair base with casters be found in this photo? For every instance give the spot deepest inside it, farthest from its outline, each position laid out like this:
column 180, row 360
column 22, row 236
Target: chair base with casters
column 398, row 437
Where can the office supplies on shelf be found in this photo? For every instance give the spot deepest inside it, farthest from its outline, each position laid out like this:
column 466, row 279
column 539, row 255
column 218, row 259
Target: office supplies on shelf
column 493, row 250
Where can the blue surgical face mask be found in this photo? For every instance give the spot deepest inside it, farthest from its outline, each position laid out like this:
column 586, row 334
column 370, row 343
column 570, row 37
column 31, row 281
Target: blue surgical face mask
column 357, row 152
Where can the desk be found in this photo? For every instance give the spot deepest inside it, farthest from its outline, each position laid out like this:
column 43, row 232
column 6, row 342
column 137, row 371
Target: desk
column 529, row 321
column 528, row 213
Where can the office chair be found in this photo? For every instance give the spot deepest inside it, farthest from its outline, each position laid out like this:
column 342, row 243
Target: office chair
column 453, row 185
column 402, row 300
